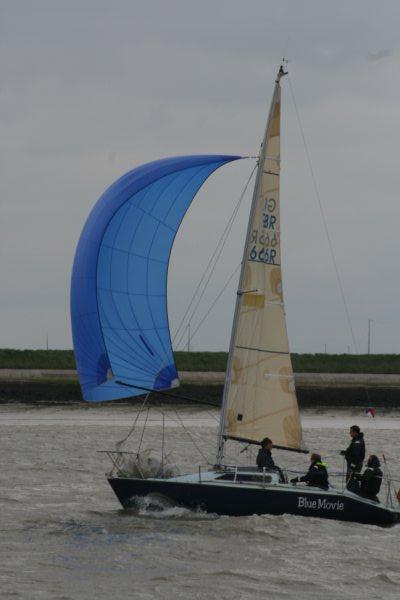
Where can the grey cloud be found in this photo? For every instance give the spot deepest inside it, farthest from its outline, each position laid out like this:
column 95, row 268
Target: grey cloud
column 89, row 90
column 375, row 56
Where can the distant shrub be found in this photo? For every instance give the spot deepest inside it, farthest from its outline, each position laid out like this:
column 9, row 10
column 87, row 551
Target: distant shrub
column 214, row 361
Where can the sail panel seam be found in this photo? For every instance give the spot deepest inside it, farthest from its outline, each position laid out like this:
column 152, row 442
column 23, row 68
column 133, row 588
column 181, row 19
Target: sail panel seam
column 261, row 350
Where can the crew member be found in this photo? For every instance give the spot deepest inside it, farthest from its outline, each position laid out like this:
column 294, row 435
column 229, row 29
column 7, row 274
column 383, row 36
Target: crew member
column 317, row 474
column 354, row 454
column 264, row 456
column 371, row 479
column 265, row 460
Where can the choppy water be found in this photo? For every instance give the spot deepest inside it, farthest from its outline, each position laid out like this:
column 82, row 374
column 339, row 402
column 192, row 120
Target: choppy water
column 63, row 535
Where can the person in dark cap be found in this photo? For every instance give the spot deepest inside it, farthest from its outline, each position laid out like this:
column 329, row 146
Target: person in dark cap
column 354, row 454
column 317, row 474
column 264, row 456
column 265, row 460
column 371, row 479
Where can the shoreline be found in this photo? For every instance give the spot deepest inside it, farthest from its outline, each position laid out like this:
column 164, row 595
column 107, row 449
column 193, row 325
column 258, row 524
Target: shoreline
column 23, row 415
column 314, row 394
column 318, row 380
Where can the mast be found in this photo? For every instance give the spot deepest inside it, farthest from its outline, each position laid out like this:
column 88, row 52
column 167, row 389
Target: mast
column 241, row 291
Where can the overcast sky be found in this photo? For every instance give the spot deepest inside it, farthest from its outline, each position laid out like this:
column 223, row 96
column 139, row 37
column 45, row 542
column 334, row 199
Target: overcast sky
column 91, row 89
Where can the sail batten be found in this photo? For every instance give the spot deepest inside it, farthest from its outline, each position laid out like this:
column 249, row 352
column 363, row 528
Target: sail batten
column 259, row 394
column 261, row 350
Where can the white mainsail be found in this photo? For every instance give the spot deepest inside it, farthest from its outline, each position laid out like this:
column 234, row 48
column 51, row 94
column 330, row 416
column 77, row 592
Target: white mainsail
column 259, row 395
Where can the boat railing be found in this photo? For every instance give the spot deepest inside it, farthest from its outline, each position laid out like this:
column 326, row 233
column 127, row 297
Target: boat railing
column 118, row 460
column 132, row 464
column 392, row 492
column 251, row 475
column 390, row 489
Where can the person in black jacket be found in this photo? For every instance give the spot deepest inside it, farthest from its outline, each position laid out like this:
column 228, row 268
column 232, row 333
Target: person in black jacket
column 265, row 460
column 264, row 456
column 354, row 454
column 317, row 474
column 371, row 479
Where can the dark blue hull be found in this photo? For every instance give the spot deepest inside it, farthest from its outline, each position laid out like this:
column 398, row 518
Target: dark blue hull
column 238, row 500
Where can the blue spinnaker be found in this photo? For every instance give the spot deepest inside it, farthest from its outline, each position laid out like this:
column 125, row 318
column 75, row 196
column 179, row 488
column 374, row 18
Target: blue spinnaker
column 119, row 279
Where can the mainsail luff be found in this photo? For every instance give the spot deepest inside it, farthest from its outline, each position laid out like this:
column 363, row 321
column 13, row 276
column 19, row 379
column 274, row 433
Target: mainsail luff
column 259, row 396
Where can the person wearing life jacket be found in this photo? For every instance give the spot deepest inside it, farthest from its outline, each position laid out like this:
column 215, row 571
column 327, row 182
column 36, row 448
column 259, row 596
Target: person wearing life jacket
column 371, row 479
column 317, row 474
column 354, row 453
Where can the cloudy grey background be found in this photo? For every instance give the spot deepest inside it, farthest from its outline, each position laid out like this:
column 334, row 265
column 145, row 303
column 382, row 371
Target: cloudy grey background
column 90, row 89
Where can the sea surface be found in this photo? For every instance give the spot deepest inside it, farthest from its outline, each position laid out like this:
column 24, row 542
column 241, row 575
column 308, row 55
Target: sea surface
column 63, row 535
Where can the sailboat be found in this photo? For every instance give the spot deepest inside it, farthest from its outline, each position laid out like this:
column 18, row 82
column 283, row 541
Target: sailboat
column 123, row 347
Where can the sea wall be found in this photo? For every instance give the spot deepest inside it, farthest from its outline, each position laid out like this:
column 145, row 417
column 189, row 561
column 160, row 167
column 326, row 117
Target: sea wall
column 205, row 378
column 56, row 392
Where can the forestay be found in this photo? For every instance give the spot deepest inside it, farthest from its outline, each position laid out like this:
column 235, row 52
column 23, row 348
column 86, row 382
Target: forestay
column 260, row 397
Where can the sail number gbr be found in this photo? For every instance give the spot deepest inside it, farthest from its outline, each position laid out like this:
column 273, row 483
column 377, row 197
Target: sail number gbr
column 264, row 241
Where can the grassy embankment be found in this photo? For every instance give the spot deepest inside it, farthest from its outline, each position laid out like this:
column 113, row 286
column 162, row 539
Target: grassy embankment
column 53, row 390
column 215, row 361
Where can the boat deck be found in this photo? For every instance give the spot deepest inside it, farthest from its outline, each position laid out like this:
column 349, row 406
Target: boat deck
column 241, row 477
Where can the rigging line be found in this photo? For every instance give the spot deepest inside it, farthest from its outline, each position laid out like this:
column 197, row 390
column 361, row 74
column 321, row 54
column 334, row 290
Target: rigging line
column 213, row 416
column 162, row 443
column 216, row 300
column 204, row 288
column 167, row 394
column 386, row 471
column 323, row 217
column 217, row 253
column 228, row 230
column 191, row 438
column 180, row 422
column 118, row 445
column 325, row 224
column 224, row 234
column 143, row 430
column 207, row 410
column 212, row 270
